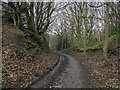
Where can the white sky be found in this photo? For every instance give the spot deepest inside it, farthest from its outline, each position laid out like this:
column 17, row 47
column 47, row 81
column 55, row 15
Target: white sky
column 63, row 0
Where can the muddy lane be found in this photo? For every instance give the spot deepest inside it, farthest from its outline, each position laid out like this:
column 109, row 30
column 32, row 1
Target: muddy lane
column 72, row 76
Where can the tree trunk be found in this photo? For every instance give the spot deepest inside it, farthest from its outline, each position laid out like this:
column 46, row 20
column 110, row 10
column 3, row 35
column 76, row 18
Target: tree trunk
column 14, row 18
column 19, row 19
column 105, row 47
column 32, row 16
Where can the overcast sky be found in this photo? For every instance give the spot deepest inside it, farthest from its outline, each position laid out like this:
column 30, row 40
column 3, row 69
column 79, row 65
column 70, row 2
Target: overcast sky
column 64, row 0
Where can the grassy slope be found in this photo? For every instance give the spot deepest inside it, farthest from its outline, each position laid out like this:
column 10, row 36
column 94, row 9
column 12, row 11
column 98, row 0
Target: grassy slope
column 112, row 46
column 22, row 60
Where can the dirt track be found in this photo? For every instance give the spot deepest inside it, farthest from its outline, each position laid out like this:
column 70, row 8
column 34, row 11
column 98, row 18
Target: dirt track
column 69, row 75
column 73, row 76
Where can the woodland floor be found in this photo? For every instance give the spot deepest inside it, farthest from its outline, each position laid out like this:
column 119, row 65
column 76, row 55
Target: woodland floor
column 22, row 65
column 102, row 75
